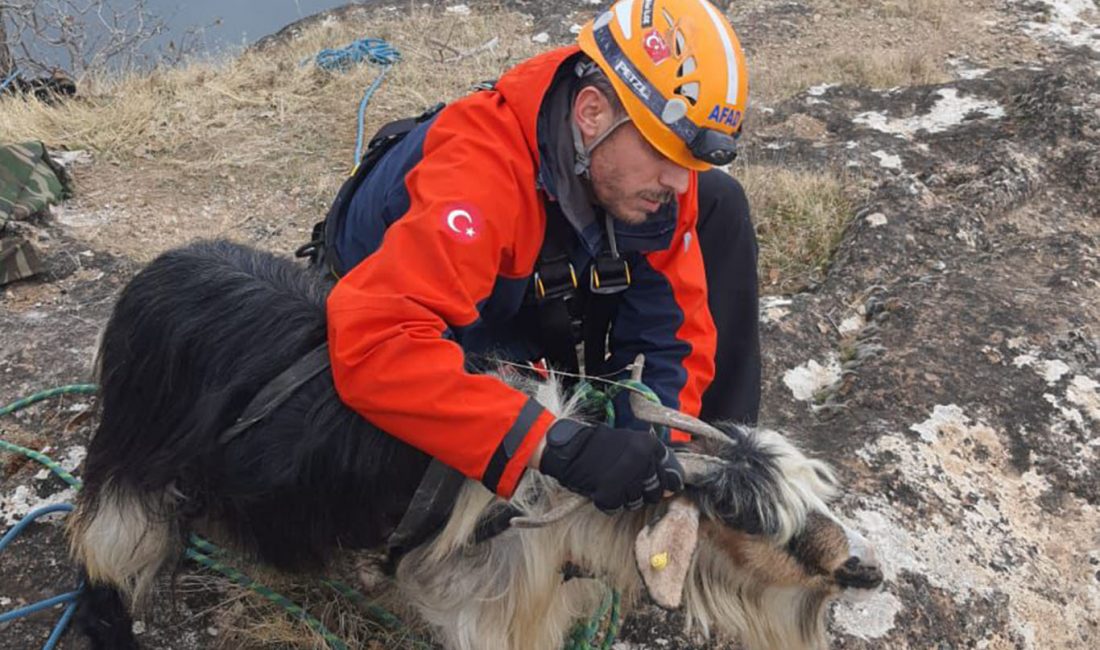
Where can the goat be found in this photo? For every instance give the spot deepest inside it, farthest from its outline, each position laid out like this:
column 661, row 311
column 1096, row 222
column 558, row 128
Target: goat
column 750, row 548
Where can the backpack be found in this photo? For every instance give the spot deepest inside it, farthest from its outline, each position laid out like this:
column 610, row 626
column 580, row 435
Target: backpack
column 320, row 251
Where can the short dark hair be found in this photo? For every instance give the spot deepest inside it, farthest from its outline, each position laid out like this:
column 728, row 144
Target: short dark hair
column 596, row 78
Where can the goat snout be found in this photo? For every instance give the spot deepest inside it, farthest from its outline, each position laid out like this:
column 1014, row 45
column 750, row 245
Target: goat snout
column 862, row 569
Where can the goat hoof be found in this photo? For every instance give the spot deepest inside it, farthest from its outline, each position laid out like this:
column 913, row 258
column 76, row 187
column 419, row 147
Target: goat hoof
column 857, row 573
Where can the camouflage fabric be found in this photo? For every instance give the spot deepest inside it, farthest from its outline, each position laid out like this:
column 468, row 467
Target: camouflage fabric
column 18, row 260
column 29, row 182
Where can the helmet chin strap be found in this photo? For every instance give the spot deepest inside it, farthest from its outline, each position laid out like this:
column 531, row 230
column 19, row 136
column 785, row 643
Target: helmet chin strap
column 582, row 156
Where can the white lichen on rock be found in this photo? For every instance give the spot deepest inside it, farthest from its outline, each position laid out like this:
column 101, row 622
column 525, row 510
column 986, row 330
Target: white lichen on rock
column 950, row 110
column 809, row 378
column 983, row 530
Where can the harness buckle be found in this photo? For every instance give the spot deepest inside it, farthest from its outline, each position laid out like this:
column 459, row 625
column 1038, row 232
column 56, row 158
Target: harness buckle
column 608, row 275
column 555, row 279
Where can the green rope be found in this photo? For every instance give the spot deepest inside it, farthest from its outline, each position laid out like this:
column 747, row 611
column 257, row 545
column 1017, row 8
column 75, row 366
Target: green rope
column 584, row 634
column 73, row 389
column 207, row 559
column 604, row 399
column 53, row 465
column 206, row 553
column 379, row 613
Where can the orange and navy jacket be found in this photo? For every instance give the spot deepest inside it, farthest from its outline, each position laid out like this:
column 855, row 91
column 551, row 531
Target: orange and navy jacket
column 448, row 226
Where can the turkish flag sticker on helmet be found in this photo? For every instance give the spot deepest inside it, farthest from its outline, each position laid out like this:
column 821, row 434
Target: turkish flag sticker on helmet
column 462, row 223
column 655, row 46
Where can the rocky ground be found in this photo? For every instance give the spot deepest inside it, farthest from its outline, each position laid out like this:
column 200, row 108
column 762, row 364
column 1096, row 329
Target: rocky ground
column 948, row 364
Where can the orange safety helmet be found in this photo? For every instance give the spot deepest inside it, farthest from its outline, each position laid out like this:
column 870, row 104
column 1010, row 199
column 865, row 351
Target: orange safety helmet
column 678, row 69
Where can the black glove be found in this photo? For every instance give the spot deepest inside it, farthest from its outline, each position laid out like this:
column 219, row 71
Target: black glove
column 615, row 468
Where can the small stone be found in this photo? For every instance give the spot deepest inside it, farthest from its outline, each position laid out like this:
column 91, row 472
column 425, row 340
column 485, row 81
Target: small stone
column 877, row 220
column 138, row 627
column 541, row 38
column 212, row 631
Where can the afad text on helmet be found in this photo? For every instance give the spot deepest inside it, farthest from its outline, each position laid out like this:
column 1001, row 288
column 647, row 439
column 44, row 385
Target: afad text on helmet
column 730, row 117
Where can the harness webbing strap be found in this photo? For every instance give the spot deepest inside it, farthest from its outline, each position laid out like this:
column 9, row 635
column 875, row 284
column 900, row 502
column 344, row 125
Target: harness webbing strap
column 557, row 299
column 570, row 312
column 432, row 503
column 278, row 390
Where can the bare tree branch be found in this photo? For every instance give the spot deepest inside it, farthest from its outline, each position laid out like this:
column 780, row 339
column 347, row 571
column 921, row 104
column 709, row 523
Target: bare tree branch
column 7, row 63
column 89, row 35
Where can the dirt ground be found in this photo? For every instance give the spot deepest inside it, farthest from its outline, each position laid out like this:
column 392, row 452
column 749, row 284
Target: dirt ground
column 948, row 364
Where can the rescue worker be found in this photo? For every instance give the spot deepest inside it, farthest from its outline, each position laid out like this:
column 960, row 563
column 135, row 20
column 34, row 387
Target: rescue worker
column 583, row 176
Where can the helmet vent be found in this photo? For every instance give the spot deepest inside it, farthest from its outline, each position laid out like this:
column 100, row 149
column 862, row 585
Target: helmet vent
column 687, row 67
column 680, row 43
column 689, row 91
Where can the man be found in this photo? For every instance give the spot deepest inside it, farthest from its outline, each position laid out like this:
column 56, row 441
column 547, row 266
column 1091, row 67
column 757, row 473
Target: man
column 586, row 163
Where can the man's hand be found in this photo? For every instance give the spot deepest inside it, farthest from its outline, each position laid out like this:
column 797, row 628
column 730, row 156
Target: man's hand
column 616, row 468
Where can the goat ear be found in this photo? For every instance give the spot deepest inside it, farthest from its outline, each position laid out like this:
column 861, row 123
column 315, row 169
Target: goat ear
column 664, row 549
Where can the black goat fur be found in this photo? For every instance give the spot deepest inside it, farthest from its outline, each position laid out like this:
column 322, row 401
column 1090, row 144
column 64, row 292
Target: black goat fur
column 193, row 338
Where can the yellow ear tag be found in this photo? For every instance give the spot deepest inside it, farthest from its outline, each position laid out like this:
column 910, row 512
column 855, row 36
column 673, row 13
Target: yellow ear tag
column 659, row 561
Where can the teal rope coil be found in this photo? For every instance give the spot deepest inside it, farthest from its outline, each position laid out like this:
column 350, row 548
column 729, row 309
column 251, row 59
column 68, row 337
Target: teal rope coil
column 372, row 50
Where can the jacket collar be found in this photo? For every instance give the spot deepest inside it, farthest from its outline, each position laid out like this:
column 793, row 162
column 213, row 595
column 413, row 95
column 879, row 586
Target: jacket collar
column 543, row 118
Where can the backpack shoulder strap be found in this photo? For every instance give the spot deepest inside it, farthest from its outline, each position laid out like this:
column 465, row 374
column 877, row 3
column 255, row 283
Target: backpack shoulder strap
column 321, row 249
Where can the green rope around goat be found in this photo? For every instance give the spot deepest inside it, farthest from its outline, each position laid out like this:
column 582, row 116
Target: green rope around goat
column 210, row 556
column 584, row 635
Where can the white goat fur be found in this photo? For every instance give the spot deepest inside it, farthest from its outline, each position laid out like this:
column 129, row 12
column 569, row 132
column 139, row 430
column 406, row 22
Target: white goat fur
column 508, row 592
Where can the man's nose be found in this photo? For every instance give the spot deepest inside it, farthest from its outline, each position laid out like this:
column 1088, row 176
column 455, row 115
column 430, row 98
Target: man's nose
column 674, row 177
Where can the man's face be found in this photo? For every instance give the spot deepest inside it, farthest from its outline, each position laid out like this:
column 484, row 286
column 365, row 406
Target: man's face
column 632, row 179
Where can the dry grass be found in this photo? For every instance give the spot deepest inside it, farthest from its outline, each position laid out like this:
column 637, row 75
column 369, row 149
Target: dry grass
column 247, row 620
column 777, row 77
column 260, row 132
column 873, row 44
column 800, row 216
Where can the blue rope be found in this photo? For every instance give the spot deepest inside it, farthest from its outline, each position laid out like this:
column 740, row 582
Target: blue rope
column 372, row 50
column 7, row 81
column 69, row 597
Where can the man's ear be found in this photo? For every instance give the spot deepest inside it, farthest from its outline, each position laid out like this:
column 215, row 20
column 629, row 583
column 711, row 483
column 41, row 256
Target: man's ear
column 592, row 113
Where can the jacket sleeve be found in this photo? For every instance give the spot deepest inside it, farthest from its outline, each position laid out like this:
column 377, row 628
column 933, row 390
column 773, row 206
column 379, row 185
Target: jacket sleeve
column 388, row 317
column 664, row 315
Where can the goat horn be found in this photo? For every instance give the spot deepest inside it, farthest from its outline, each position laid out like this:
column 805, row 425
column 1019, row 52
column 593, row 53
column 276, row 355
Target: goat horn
column 654, row 413
column 697, row 466
column 571, row 505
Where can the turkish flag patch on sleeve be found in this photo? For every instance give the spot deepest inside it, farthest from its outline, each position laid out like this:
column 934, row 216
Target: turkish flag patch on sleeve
column 462, row 222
